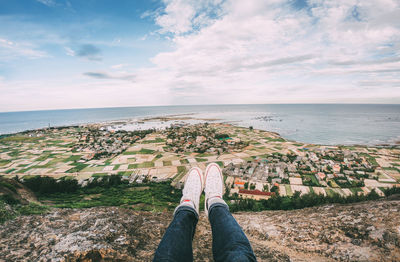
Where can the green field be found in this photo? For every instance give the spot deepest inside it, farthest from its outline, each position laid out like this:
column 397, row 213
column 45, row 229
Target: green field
column 313, row 179
column 141, row 165
column 72, row 158
column 157, row 140
column 288, row 190
column 20, row 139
column 4, row 162
column 142, row 151
column 184, row 161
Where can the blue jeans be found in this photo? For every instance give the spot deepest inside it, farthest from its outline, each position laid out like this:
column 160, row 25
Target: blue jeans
column 229, row 241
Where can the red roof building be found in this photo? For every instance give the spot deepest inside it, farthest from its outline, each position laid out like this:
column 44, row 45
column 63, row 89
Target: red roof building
column 255, row 194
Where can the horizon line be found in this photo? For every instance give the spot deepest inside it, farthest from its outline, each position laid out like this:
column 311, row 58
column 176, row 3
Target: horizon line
column 115, row 107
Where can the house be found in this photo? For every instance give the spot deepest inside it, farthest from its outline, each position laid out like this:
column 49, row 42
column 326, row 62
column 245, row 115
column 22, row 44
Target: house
column 200, row 139
column 320, row 176
column 239, row 183
column 255, row 194
column 336, row 168
column 276, row 180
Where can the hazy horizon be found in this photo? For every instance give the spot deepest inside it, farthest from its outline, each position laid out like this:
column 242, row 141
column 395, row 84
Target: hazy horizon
column 194, row 105
column 70, row 54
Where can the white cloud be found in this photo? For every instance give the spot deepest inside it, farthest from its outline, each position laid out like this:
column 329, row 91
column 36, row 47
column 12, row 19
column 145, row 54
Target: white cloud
column 10, row 50
column 268, row 51
column 183, row 16
column 47, row 2
column 119, row 66
column 230, row 51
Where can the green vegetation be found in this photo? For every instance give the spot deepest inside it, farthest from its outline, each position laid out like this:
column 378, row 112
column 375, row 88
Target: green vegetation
column 270, row 139
column 49, row 185
column 130, row 152
column 146, row 151
column 104, row 191
column 32, row 209
column 78, row 167
column 8, row 186
column 179, row 175
column 9, row 170
column 93, row 169
column 24, row 169
column 355, row 190
column 184, row 161
column 11, row 208
column 43, row 157
column 20, row 139
column 391, row 169
column 72, row 158
column 50, row 163
column 221, row 136
column 116, row 167
column 198, row 159
column 125, row 173
column 371, row 160
column 296, row 201
column 141, row 165
column 167, row 163
column 157, row 140
column 288, row 190
column 108, row 162
column 158, row 156
column 150, row 196
column 204, row 155
column 142, row 151
column 99, row 174
column 220, row 163
column 310, row 180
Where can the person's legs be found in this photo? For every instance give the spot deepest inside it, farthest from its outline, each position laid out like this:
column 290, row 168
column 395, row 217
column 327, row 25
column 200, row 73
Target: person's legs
column 176, row 244
column 229, row 241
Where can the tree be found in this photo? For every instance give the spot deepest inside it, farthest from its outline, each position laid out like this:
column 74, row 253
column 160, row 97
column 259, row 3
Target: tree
column 275, row 189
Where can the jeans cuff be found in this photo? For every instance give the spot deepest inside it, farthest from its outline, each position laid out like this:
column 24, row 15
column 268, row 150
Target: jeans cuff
column 186, row 208
column 218, row 204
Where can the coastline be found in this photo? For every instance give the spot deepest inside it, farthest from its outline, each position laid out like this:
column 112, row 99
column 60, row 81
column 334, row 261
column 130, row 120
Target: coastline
column 317, row 124
column 181, row 118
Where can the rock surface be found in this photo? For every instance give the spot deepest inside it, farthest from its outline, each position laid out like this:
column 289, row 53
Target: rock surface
column 368, row 231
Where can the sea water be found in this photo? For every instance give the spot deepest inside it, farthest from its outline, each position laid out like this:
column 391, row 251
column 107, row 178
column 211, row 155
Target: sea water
column 308, row 123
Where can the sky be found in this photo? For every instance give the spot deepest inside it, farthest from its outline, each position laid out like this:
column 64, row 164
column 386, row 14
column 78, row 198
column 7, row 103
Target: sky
column 58, row 54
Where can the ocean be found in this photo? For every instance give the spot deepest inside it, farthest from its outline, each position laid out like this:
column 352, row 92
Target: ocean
column 327, row 124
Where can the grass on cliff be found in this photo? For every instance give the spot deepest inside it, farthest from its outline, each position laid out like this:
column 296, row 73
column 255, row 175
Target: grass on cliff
column 10, row 208
column 148, row 196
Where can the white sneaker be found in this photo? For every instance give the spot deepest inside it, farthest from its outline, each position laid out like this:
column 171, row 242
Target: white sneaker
column 213, row 186
column 192, row 189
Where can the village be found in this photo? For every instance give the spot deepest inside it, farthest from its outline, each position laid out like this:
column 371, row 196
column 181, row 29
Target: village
column 256, row 164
